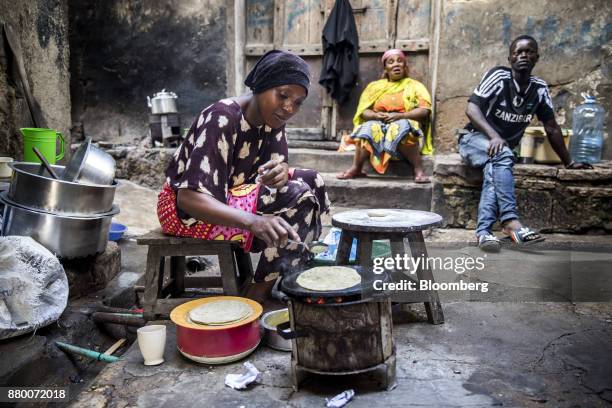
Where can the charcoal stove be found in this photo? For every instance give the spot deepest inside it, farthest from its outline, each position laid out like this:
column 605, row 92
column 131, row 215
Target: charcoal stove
column 339, row 332
column 164, row 119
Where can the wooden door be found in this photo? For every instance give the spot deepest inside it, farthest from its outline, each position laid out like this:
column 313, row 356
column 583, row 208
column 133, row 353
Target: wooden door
column 297, row 25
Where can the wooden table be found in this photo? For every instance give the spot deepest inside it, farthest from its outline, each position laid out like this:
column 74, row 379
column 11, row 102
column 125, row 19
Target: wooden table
column 366, row 226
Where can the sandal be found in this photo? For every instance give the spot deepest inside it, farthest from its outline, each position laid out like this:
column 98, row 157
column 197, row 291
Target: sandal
column 489, row 243
column 525, row 237
column 348, row 175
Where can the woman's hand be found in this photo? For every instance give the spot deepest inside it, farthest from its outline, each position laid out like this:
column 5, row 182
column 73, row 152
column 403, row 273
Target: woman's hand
column 274, row 231
column 369, row 114
column 393, row 116
column 274, row 174
column 382, row 116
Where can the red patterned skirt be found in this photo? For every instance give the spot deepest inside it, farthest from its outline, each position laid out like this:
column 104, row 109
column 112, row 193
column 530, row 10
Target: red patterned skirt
column 243, row 197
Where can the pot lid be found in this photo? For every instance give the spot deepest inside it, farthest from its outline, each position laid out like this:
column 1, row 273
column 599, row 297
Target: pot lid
column 164, row 95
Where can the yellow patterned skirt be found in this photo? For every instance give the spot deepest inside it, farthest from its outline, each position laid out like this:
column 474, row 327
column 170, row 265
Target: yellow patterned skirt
column 382, row 140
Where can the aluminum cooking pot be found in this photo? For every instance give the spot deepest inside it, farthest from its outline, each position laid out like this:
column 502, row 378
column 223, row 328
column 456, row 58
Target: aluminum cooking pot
column 270, row 322
column 65, row 236
column 162, row 102
column 90, row 165
column 32, row 187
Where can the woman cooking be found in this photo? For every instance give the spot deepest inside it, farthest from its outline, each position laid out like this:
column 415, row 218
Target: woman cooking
column 387, row 121
column 229, row 179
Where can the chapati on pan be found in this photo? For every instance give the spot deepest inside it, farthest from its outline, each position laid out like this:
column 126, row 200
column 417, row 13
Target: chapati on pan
column 328, row 278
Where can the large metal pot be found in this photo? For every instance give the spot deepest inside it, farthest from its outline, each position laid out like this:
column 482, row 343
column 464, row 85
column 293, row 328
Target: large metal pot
column 66, row 236
column 216, row 344
column 162, row 102
column 90, row 165
column 37, row 190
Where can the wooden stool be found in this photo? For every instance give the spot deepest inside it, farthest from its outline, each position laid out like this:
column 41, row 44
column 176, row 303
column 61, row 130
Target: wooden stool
column 234, row 263
column 395, row 226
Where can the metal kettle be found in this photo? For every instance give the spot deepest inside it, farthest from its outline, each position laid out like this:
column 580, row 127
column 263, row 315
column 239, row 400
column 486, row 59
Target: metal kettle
column 162, row 102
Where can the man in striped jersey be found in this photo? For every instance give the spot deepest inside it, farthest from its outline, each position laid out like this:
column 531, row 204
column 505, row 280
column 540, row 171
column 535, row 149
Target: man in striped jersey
column 501, row 107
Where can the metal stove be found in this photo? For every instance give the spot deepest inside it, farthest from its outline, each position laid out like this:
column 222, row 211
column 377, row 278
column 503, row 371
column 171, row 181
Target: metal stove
column 339, row 332
column 164, row 120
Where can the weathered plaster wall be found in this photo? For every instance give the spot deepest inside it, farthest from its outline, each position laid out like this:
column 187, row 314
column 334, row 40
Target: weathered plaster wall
column 124, row 50
column 42, row 28
column 575, row 53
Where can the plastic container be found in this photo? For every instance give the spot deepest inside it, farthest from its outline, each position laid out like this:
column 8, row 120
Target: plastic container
column 332, row 239
column 586, row 145
column 116, row 231
column 528, row 143
column 542, row 151
column 43, row 139
column 380, row 249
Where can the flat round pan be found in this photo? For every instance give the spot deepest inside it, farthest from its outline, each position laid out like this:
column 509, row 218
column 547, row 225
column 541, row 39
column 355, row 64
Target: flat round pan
column 290, row 286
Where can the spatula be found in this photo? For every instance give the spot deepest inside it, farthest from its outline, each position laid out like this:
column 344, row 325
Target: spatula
column 314, row 247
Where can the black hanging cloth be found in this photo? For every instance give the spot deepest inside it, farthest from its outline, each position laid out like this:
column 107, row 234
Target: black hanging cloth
column 341, row 52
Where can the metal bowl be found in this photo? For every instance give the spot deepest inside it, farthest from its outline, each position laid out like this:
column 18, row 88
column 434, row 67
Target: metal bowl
column 65, row 236
column 90, row 165
column 32, row 187
column 269, row 321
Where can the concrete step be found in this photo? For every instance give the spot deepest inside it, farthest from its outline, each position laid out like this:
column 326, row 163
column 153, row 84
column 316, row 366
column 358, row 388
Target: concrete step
column 314, row 144
column 378, row 192
column 326, row 161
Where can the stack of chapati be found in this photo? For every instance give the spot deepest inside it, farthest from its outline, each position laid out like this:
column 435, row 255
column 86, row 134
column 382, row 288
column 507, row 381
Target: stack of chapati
column 220, row 313
column 329, row 278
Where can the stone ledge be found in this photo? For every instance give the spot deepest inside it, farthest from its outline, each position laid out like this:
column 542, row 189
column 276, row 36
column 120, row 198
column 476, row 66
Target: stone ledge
column 549, row 198
column 88, row 275
column 535, row 170
column 601, row 172
column 145, row 166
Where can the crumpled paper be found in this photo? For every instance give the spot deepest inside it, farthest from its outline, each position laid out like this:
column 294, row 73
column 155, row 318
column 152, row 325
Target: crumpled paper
column 340, row 400
column 240, row 381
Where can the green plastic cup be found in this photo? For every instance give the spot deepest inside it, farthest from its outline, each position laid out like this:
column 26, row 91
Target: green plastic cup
column 43, row 139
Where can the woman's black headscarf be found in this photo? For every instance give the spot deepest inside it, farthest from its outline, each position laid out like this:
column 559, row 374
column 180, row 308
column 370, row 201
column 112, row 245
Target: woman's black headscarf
column 278, row 68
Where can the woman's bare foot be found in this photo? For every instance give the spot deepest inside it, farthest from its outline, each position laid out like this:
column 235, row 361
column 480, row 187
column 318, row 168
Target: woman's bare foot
column 351, row 173
column 420, row 177
column 412, row 154
column 260, row 291
column 356, row 169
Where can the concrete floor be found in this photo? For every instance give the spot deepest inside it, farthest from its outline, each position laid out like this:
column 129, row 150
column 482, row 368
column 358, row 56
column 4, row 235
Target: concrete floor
column 486, row 354
column 541, row 336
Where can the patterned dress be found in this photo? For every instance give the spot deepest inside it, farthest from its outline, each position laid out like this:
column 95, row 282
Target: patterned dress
column 220, row 157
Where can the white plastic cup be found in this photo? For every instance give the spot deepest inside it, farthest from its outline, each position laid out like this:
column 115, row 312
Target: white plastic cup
column 152, row 341
column 5, row 170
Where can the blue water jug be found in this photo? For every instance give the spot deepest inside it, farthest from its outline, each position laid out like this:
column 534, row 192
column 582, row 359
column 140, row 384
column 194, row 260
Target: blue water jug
column 586, row 144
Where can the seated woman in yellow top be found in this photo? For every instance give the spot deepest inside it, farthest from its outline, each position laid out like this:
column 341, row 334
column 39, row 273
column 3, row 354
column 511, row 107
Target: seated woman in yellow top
column 392, row 121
